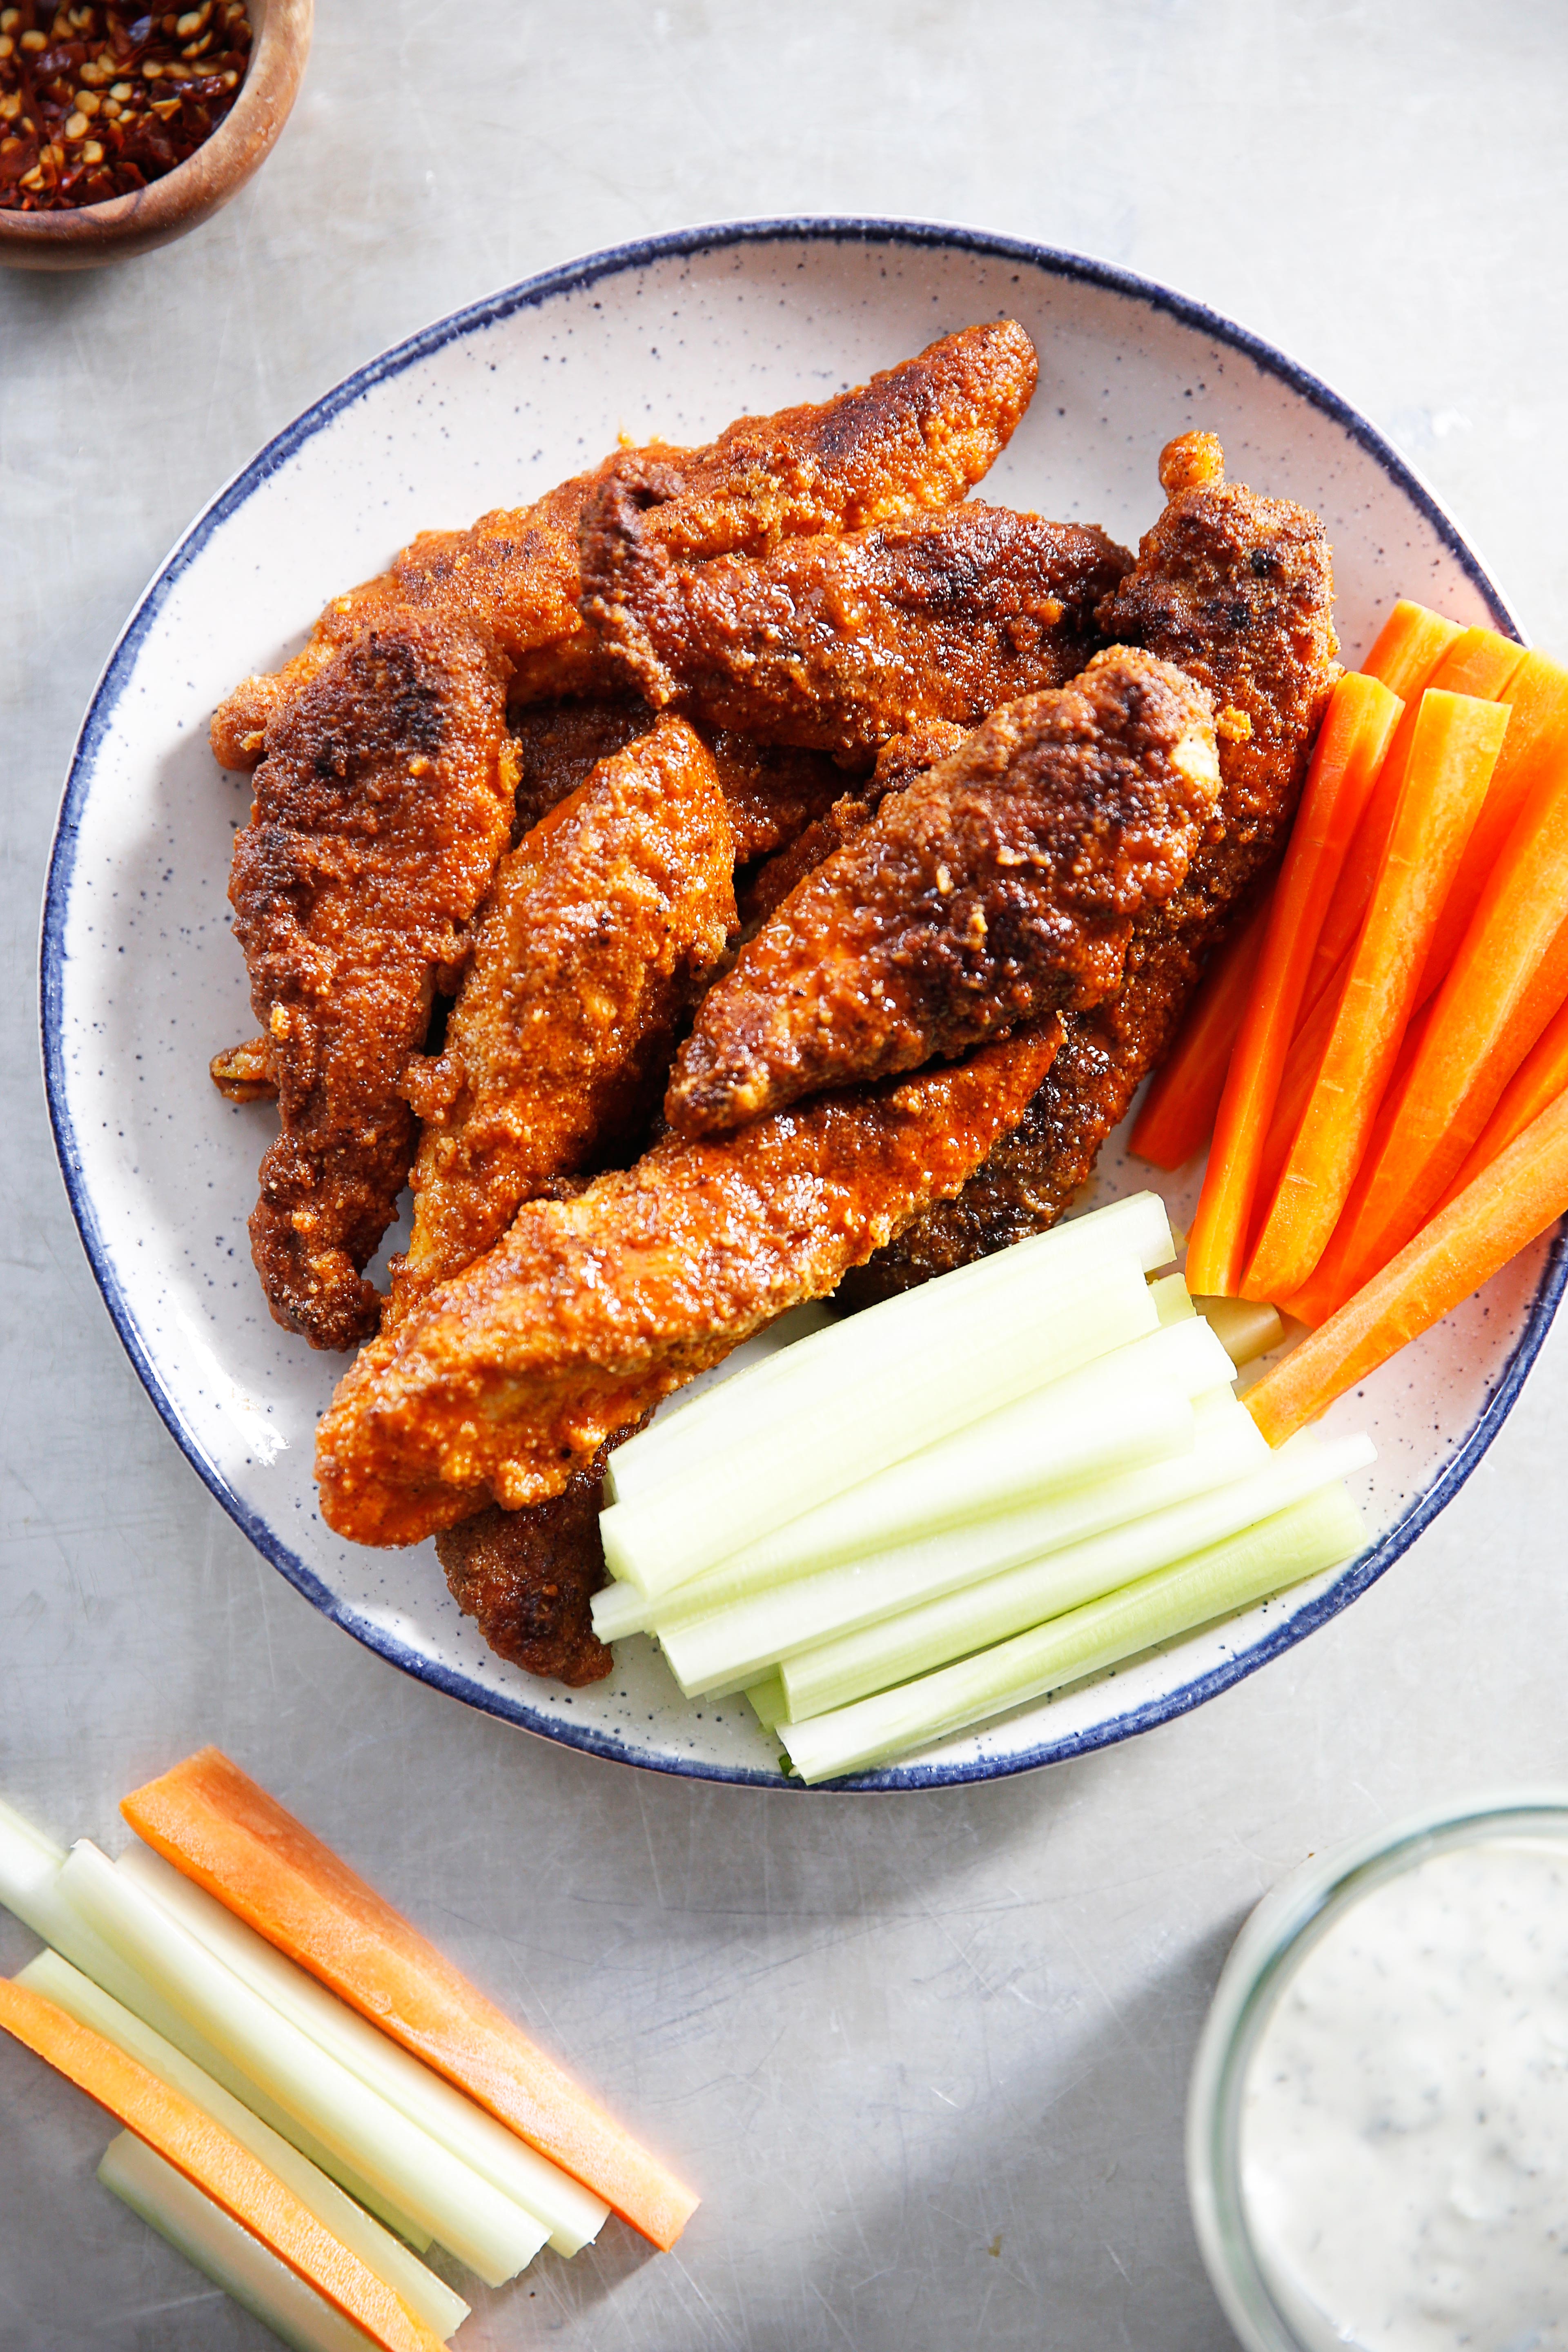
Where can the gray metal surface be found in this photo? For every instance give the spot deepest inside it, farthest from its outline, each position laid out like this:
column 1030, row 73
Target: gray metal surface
column 925, row 2057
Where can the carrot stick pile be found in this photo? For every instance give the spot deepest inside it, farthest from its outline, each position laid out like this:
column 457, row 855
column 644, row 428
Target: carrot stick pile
column 1384, row 1124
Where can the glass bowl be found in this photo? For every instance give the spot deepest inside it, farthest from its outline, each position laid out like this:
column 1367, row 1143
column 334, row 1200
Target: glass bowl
column 1264, row 1959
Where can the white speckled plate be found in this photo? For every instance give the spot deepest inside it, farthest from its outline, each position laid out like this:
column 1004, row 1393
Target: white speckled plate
column 141, row 982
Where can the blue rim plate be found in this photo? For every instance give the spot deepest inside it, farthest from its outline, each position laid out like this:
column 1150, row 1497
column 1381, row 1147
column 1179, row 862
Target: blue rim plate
column 140, row 983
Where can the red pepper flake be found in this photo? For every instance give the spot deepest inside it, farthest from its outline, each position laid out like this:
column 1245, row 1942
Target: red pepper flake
column 93, row 106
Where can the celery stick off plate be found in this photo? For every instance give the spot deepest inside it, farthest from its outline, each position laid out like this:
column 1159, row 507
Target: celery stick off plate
column 141, row 982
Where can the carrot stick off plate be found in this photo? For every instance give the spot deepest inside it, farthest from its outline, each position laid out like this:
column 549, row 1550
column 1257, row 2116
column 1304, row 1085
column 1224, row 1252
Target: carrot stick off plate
column 1178, row 1113
column 1509, row 1203
column 214, row 2160
column 1452, row 754
column 212, row 1821
column 1361, row 718
column 1478, row 1020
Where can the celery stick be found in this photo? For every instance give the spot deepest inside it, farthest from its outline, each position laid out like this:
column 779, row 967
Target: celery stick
column 1311, row 1536
column 489, row 2232
column 867, row 1409
column 30, row 1867
column 685, row 1443
column 896, row 1648
column 798, row 1615
column 1107, row 1418
column 768, row 1703
column 1170, row 1295
column 1246, row 1328
column 572, row 2213
column 430, row 2297
column 224, row 2251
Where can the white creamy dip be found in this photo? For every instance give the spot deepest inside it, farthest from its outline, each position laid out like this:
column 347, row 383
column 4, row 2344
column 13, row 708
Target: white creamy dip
column 1403, row 2144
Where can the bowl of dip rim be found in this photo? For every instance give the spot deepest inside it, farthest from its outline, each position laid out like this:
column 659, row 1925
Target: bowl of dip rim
column 1275, row 1940
column 85, row 237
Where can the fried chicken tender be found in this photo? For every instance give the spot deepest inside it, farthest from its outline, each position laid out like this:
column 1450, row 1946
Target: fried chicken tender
column 840, row 643
column 1237, row 589
column 998, row 887
column 920, row 435
column 604, row 924
column 529, row 1578
column 381, row 809
column 512, row 1376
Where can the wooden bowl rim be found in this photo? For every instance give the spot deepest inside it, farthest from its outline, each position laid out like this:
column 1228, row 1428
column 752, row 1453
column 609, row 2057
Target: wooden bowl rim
column 195, row 189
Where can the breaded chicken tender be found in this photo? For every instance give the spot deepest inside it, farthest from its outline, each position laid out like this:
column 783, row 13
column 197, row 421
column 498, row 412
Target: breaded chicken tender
column 511, row 1377
column 605, row 923
column 1237, row 589
column 840, row 643
column 381, row 809
column 1000, row 886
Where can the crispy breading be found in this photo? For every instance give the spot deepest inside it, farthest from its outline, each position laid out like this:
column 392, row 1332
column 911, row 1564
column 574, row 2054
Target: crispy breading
column 999, row 886
column 918, row 435
column 381, row 809
column 603, row 925
column 840, row 642
column 510, row 1376
column 1237, row 589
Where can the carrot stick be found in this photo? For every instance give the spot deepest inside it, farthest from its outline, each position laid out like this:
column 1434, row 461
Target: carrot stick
column 1498, row 995
column 212, row 1821
column 1300, row 1076
column 1325, row 1288
column 1177, row 1117
column 1410, row 651
column 1539, row 1078
column 215, row 2162
column 1361, row 718
column 1408, row 647
column 1481, row 663
column 1456, row 745
column 1504, row 1210
column 1536, row 692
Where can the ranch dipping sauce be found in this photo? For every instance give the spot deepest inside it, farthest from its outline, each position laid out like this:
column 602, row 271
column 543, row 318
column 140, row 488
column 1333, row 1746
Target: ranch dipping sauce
column 1401, row 2130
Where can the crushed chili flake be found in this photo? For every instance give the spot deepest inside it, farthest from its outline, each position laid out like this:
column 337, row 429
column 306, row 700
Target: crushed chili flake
column 94, row 104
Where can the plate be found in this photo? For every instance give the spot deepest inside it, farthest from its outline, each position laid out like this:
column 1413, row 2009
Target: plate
column 141, row 982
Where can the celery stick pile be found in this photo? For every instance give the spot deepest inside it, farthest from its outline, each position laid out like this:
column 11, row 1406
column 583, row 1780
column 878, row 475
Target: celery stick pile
column 965, row 1499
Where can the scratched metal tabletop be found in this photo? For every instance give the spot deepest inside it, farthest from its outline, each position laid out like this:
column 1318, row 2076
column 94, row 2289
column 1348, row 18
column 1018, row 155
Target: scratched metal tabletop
column 925, row 2057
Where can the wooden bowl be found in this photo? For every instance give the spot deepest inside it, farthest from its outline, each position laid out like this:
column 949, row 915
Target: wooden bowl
column 87, row 236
